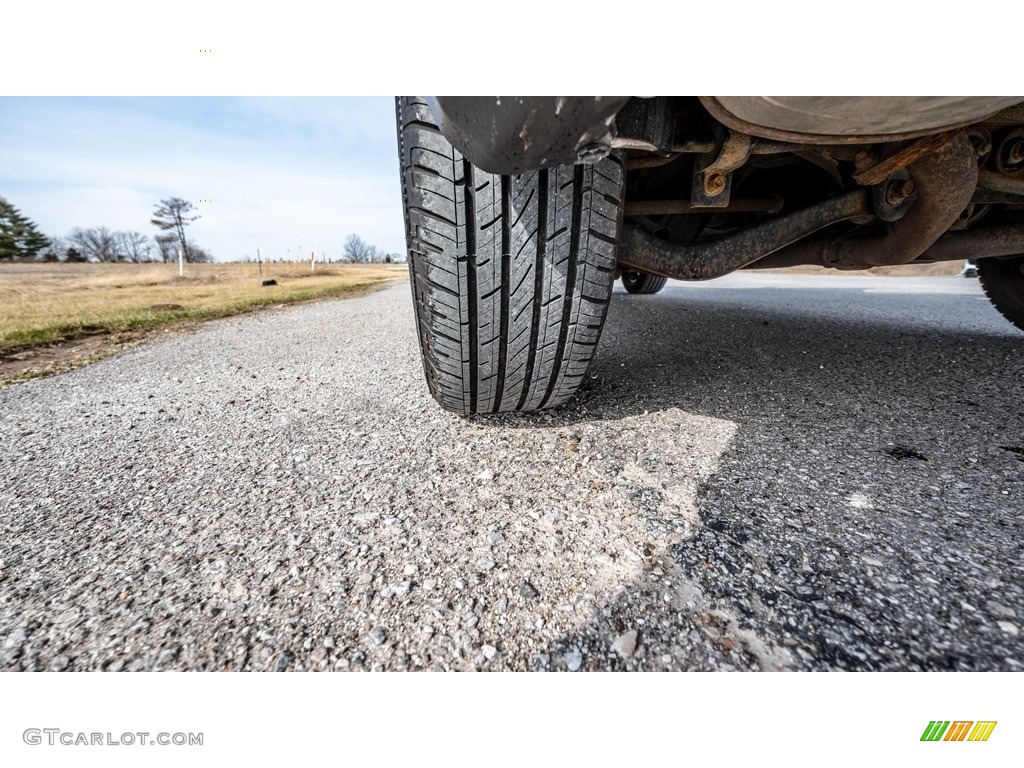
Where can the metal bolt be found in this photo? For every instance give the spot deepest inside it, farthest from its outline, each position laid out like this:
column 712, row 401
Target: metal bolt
column 592, row 153
column 714, row 184
column 863, row 160
column 899, row 190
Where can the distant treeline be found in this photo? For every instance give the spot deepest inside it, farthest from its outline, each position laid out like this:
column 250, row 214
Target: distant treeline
column 126, row 246
column 21, row 240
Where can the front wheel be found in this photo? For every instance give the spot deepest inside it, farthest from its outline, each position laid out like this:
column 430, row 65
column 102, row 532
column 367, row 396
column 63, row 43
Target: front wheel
column 511, row 275
column 1003, row 282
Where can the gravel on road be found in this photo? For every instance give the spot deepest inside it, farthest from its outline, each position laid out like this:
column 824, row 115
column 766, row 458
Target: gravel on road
column 764, row 472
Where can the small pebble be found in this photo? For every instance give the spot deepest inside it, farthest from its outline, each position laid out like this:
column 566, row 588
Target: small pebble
column 625, row 644
column 1008, row 628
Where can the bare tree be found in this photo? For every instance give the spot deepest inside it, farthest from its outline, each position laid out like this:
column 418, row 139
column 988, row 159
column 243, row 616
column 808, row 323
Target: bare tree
column 166, row 246
column 199, row 255
column 94, row 244
column 133, row 246
column 173, row 215
column 358, row 250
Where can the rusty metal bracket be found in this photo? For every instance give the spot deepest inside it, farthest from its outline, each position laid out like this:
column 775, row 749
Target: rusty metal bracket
column 712, row 172
column 880, row 171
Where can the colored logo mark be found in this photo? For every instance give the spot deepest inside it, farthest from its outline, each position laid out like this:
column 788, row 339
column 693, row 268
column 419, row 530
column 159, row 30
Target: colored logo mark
column 958, row 730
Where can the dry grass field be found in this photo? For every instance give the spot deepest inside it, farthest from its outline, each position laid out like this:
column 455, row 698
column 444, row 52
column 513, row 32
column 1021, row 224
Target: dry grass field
column 44, row 303
column 57, row 316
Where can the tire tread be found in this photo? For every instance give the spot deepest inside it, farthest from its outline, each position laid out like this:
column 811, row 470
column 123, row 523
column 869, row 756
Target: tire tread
column 1003, row 283
column 511, row 275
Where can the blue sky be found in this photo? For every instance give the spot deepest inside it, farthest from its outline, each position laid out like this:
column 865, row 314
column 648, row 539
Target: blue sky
column 283, row 173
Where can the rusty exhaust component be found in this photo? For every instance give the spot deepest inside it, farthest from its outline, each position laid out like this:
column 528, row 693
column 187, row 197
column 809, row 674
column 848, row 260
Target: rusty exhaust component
column 770, row 204
column 703, row 261
column 1013, row 185
column 944, row 180
column 991, row 243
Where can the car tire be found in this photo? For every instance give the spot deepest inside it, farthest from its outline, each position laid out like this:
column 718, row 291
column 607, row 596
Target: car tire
column 1003, row 282
column 642, row 283
column 511, row 275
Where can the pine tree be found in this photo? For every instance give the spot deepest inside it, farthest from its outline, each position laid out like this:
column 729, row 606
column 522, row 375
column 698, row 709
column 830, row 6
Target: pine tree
column 19, row 237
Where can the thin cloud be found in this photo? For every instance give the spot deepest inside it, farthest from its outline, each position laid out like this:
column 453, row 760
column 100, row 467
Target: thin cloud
column 281, row 173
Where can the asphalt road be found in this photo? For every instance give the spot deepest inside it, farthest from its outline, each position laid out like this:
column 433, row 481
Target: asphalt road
column 765, row 472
